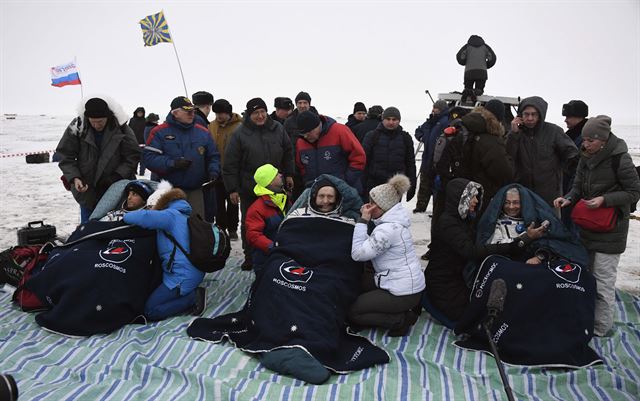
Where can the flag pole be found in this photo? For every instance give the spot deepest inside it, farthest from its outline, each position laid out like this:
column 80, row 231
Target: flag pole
column 80, row 78
column 173, row 42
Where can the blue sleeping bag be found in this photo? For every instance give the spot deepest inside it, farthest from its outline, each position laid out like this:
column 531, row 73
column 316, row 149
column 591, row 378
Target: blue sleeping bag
column 99, row 280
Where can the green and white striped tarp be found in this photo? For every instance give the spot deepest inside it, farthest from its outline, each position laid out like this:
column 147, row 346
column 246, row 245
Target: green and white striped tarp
column 160, row 362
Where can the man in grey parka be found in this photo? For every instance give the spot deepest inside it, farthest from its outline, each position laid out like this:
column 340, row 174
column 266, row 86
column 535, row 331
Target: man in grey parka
column 477, row 57
column 540, row 150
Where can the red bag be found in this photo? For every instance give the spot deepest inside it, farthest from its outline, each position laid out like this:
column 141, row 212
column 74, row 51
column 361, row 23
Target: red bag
column 600, row 220
column 30, row 258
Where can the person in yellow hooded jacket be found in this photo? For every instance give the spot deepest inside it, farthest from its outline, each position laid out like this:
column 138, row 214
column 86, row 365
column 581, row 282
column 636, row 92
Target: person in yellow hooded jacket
column 266, row 213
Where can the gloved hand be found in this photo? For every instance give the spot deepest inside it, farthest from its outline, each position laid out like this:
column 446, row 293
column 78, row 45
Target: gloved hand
column 411, row 193
column 181, row 164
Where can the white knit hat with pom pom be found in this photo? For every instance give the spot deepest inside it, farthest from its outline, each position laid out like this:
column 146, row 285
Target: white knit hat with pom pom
column 388, row 195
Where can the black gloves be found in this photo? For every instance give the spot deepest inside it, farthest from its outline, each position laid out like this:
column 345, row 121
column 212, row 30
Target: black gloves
column 181, row 164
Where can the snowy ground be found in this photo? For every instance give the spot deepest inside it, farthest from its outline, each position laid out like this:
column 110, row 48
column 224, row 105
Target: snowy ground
column 35, row 192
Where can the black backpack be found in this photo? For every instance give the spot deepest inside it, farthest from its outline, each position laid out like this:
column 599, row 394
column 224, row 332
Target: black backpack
column 210, row 245
column 452, row 154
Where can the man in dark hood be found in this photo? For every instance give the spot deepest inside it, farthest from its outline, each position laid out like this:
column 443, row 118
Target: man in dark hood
column 137, row 124
column 540, row 150
column 477, row 57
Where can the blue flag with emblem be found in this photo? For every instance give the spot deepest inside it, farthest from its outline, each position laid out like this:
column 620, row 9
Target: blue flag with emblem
column 155, row 29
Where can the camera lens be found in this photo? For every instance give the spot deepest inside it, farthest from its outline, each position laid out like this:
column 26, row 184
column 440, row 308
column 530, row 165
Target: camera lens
column 8, row 388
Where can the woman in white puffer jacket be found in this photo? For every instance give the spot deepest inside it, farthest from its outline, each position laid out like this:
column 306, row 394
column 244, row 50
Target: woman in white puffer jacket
column 393, row 290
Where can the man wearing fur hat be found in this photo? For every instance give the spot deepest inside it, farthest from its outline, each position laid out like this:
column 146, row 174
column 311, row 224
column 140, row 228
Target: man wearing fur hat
column 266, row 213
column 258, row 141
column 182, row 152
column 540, row 150
column 328, row 147
column 221, row 129
column 203, row 101
column 179, row 291
column 283, row 109
column 96, row 150
column 392, row 291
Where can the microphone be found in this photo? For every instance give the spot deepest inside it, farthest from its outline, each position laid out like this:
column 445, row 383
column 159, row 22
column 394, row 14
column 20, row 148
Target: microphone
column 495, row 303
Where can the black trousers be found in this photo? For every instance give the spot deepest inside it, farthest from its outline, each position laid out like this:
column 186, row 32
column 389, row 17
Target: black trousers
column 424, row 191
column 478, row 83
column 245, row 202
column 379, row 308
column 227, row 214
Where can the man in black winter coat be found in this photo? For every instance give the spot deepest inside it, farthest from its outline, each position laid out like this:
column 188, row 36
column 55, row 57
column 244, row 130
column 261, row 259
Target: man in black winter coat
column 374, row 116
column 389, row 151
column 358, row 115
column 575, row 113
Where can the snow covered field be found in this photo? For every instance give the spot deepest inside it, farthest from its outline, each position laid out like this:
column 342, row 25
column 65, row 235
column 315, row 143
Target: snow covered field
column 35, row 192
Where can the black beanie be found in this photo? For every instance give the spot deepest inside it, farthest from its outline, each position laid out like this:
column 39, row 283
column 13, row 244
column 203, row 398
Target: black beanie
column 575, row 108
column 359, row 106
column 391, row 112
column 222, row 106
column 303, row 96
column 307, row 121
column 255, row 104
column 496, row 107
column 96, row 108
column 202, row 97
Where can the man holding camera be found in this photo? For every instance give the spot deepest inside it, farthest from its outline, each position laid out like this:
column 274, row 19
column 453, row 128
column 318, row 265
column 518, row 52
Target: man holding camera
column 182, row 152
column 540, row 150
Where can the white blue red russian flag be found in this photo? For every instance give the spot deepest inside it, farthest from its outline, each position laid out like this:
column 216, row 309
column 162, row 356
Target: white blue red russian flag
column 65, row 74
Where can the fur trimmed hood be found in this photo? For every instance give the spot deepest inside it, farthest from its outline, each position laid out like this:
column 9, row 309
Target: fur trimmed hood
column 490, row 125
column 121, row 116
column 168, row 197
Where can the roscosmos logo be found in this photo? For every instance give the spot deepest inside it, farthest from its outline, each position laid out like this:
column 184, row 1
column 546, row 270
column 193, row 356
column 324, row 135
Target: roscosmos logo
column 117, row 251
column 294, row 273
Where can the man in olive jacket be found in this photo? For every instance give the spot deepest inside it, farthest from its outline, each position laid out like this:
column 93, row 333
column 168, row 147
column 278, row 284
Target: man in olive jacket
column 96, row 150
column 540, row 150
column 257, row 141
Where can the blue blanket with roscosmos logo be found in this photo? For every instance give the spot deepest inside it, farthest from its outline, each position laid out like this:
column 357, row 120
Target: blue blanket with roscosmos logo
column 301, row 298
column 99, row 280
column 547, row 318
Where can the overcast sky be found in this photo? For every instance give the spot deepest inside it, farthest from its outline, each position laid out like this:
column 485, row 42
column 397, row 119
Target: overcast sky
column 378, row 52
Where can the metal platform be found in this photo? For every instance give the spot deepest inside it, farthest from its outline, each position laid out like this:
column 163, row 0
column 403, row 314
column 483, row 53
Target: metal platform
column 481, row 100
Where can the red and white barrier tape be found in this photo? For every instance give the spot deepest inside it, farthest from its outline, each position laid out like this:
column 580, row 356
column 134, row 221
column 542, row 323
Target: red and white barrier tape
column 27, row 153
